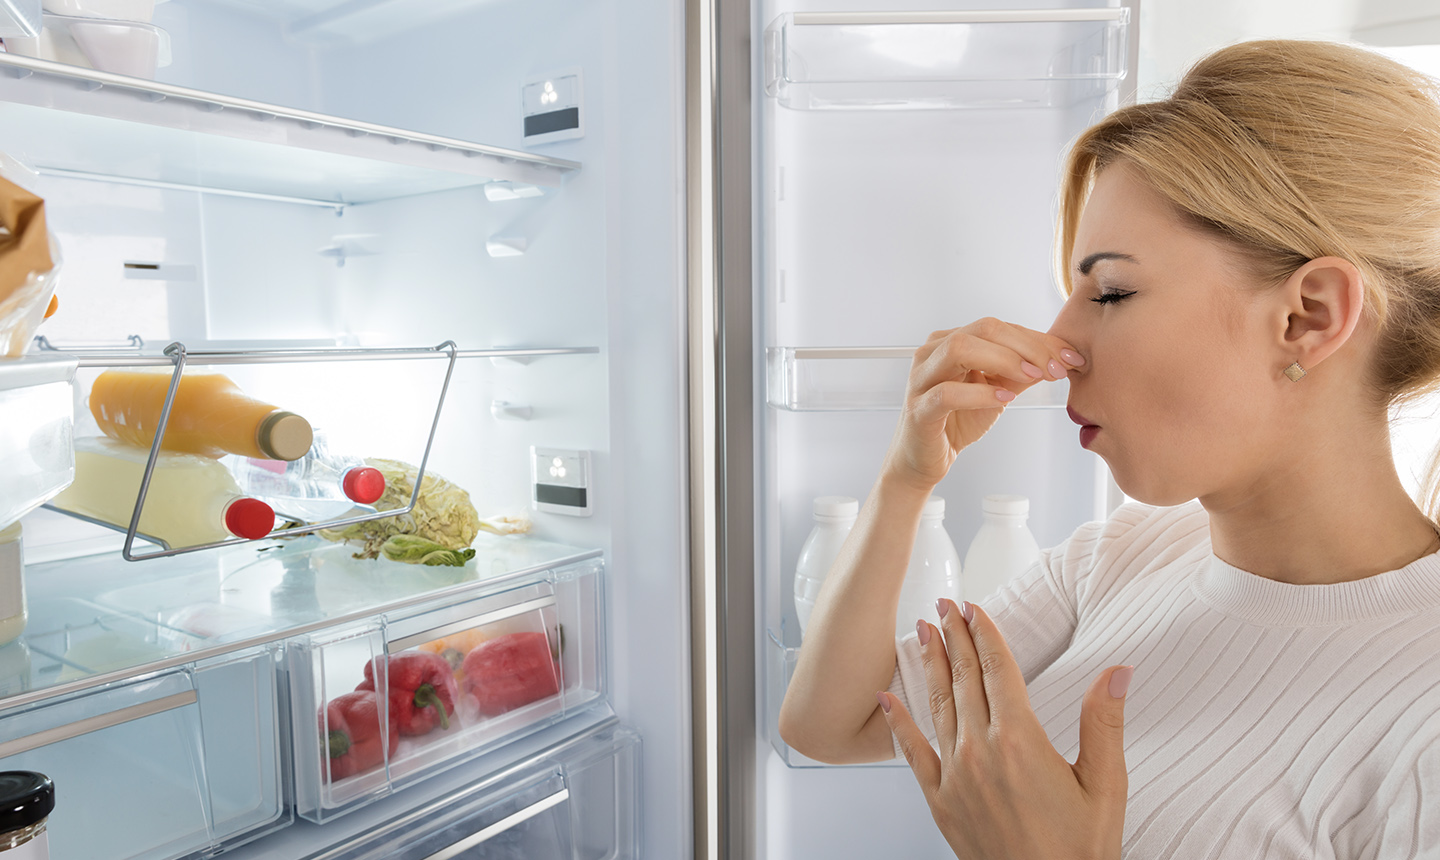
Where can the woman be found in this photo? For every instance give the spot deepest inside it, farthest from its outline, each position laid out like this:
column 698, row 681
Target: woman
column 1252, row 269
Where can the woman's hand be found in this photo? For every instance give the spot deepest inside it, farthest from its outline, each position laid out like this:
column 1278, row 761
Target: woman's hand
column 960, row 381
column 999, row 789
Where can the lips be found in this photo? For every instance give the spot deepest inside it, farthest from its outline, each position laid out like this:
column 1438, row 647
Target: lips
column 1088, row 430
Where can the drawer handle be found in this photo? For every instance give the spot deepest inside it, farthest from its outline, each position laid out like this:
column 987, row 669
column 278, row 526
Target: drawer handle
column 487, row 618
column 501, row 826
column 96, row 723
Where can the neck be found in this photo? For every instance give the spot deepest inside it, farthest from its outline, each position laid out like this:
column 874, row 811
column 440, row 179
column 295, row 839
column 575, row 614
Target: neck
column 1326, row 516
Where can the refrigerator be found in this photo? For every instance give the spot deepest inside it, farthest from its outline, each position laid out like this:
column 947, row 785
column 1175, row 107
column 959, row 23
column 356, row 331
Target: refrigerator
column 645, row 275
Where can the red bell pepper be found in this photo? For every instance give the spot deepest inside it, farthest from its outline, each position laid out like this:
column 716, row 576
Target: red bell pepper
column 421, row 690
column 351, row 733
column 509, row 671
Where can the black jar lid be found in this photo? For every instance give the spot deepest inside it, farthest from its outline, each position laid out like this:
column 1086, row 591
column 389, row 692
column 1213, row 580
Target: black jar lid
column 26, row 798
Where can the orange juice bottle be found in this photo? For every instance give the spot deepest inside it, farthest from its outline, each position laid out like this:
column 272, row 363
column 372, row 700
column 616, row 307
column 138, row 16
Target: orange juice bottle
column 211, row 416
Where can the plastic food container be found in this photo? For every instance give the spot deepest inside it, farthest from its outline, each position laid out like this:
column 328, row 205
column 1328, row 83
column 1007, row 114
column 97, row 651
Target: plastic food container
column 26, row 800
column 37, row 446
column 120, row 47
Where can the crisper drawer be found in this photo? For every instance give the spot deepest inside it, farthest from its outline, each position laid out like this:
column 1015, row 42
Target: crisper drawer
column 366, row 699
column 579, row 804
column 181, row 764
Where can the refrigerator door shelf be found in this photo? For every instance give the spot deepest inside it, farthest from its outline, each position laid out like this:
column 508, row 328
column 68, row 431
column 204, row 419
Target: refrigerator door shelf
column 581, row 802
column 89, row 124
column 944, row 60
column 37, row 417
column 185, row 763
column 862, row 379
column 510, row 663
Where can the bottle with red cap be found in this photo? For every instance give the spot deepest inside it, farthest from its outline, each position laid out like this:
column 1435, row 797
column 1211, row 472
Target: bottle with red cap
column 322, row 485
column 192, row 499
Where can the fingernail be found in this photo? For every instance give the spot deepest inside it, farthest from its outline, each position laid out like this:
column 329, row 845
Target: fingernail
column 1074, row 358
column 884, row 702
column 923, row 630
column 942, row 607
column 1120, row 681
column 1057, row 370
column 967, row 609
column 1004, row 396
column 1031, row 370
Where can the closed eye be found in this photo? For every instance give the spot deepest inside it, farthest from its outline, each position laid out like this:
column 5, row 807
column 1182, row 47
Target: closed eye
column 1108, row 298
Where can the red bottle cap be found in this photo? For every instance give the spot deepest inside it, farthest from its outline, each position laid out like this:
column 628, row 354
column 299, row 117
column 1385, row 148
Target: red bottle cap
column 363, row 484
column 249, row 518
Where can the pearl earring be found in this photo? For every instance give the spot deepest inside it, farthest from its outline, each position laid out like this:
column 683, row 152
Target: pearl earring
column 1294, row 372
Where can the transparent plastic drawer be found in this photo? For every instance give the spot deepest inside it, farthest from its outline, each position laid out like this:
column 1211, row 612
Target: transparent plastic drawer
column 182, row 764
column 944, row 59
column 580, row 804
column 37, row 414
column 366, row 699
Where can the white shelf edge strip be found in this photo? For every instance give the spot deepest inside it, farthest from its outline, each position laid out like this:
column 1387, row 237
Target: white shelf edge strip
column 501, row 826
column 465, row 624
column 183, row 186
column 96, row 723
column 805, row 353
column 286, row 357
column 215, row 100
column 979, row 16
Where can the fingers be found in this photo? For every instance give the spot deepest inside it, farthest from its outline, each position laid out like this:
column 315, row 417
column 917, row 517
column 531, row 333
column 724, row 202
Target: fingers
column 913, row 744
column 1100, row 765
column 1000, row 350
column 972, row 711
column 936, row 404
column 938, row 683
column 1004, row 682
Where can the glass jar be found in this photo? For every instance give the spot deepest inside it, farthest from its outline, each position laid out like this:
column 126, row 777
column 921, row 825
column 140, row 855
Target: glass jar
column 26, row 800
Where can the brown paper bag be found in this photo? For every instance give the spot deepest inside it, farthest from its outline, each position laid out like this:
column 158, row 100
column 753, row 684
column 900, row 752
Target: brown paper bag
column 26, row 266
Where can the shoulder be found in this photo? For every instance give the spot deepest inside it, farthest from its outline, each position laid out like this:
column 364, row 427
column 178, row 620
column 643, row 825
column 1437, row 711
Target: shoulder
column 1137, row 534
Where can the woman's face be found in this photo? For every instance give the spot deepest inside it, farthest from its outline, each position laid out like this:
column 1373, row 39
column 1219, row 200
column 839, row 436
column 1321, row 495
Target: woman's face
column 1179, row 379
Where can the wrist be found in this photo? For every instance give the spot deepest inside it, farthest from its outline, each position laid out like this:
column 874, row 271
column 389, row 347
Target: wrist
column 895, row 486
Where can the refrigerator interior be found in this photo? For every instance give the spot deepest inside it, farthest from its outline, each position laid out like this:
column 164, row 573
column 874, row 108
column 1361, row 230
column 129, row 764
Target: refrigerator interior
column 907, row 175
column 414, row 265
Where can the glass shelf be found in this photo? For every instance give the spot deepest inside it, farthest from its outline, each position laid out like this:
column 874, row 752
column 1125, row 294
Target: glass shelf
column 861, row 379
column 100, row 619
column 86, row 124
column 944, row 60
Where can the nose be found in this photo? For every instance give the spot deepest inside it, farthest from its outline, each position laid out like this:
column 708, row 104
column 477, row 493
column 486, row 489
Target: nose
column 1069, row 326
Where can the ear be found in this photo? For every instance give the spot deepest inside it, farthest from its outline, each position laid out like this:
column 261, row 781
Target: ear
column 1325, row 299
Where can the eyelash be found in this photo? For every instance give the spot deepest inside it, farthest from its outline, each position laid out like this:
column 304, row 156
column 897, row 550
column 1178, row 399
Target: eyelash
column 1110, row 298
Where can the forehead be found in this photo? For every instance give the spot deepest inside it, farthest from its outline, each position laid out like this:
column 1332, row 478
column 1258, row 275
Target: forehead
column 1124, row 214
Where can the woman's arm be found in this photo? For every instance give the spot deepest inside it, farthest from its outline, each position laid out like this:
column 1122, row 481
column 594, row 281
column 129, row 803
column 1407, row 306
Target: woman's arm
column 830, row 713
column 959, row 382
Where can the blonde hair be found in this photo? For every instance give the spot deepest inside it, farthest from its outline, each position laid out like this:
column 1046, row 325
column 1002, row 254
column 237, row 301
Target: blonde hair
column 1292, row 150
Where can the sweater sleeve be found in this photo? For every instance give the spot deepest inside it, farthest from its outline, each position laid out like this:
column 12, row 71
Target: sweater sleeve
column 1037, row 612
column 1410, row 829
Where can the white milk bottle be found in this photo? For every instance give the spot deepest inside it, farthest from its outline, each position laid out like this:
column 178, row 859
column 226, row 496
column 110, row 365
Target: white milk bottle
column 933, row 572
column 1002, row 549
column 834, row 517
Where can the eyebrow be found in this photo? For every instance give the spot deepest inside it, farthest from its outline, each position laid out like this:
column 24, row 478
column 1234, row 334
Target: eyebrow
column 1089, row 262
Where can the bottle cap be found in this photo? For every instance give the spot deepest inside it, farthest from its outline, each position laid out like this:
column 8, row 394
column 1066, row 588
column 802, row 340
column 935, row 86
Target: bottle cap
column 363, row 484
column 836, row 506
column 935, row 507
column 284, row 436
column 1014, row 506
column 26, row 798
column 249, row 518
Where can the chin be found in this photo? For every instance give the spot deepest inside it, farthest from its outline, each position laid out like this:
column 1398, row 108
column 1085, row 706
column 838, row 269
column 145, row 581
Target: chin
column 1150, row 489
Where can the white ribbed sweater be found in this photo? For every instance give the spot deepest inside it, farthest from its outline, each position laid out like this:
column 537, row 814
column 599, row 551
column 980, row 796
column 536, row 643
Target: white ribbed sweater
column 1265, row 719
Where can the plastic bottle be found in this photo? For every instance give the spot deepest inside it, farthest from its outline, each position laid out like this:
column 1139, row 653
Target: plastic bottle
column 12, row 584
column 834, row 517
column 933, row 572
column 192, row 499
column 26, row 800
column 1002, row 549
column 211, row 416
column 322, row 485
